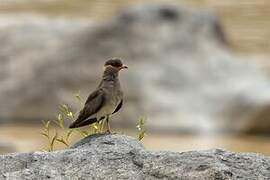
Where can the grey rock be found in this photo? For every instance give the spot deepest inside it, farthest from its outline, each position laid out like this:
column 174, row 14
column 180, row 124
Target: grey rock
column 123, row 157
column 182, row 75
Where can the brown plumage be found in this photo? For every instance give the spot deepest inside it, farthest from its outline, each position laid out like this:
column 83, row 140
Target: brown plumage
column 107, row 99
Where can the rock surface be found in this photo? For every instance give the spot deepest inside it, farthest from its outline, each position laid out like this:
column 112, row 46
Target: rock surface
column 181, row 75
column 122, row 157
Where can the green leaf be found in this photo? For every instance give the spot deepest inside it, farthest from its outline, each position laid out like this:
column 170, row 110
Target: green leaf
column 141, row 128
column 141, row 135
column 95, row 126
column 83, row 133
column 70, row 114
column 64, row 109
column 60, row 120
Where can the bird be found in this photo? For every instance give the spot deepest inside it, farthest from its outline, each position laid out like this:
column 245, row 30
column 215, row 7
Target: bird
column 106, row 100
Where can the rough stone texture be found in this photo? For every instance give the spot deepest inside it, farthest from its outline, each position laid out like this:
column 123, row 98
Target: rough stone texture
column 122, row 157
column 180, row 68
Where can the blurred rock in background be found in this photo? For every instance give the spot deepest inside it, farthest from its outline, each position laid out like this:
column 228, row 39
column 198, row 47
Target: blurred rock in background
column 182, row 74
column 7, row 147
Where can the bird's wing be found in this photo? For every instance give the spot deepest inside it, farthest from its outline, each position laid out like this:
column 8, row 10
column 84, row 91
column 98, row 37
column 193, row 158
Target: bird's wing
column 92, row 105
column 94, row 95
column 85, row 122
column 118, row 107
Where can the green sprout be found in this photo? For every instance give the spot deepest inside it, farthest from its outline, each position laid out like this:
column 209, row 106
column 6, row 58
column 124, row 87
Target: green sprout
column 65, row 116
column 46, row 133
column 141, row 128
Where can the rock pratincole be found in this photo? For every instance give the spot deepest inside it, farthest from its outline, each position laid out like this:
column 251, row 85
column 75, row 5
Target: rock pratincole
column 106, row 100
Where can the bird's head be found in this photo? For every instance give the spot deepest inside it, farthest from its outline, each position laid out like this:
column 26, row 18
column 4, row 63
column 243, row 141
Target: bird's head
column 115, row 64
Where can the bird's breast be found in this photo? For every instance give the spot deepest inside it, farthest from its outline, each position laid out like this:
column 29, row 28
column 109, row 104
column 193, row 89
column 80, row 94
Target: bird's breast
column 112, row 99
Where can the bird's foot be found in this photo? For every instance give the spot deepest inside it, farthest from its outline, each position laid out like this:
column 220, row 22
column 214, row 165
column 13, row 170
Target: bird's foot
column 110, row 132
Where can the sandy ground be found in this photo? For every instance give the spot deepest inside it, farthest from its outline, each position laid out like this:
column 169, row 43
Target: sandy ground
column 25, row 138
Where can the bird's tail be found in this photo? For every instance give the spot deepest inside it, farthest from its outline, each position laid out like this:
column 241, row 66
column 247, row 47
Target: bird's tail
column 85, row 122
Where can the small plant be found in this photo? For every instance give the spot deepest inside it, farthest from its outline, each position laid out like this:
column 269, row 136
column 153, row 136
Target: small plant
column 55, row 131
column 141, row 128
column 47, row 134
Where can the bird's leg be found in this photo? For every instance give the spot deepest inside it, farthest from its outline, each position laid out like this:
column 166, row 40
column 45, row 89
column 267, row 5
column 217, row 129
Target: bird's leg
column 102, row 126
column 108, row 124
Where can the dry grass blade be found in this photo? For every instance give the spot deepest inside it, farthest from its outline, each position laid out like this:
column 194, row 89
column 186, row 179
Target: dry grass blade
column 78, row 97
column 62, row 141
column 68, row 134
column 45, row 134
column 53, row 141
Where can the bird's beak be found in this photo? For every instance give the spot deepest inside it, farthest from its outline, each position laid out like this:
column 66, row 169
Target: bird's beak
column 124, row 67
